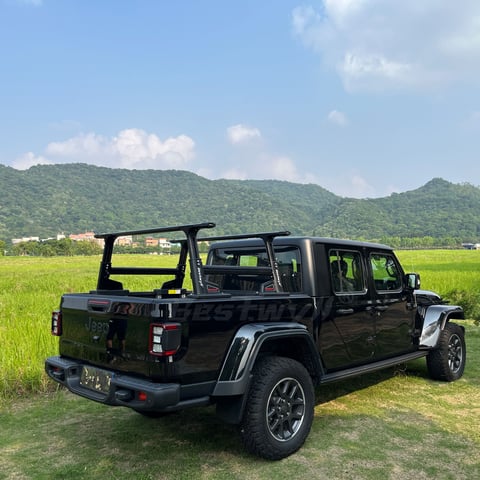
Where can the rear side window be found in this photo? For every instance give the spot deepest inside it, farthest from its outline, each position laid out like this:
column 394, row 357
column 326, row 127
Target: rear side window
column 386, row 272
column 346, row 270
column 289, row 266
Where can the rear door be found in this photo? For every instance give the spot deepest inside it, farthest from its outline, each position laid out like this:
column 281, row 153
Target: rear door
column 392, row 308
column 347, row 335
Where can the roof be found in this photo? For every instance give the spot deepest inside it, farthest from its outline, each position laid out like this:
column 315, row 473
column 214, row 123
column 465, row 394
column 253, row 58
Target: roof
column 297, row 240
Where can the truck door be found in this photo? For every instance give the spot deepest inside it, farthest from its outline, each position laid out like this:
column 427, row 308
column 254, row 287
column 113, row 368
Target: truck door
column 347, row 337
column 392, row 308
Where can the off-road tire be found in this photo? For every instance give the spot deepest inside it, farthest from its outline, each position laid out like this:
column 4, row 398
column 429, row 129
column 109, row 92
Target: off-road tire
column 447, row 361
column 279, row 408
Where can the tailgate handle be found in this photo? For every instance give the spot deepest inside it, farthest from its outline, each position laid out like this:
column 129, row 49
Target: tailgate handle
column 98, row 305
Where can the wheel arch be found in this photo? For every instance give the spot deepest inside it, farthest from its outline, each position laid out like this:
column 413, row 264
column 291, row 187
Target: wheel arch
column 255, row 341
column 436, row 317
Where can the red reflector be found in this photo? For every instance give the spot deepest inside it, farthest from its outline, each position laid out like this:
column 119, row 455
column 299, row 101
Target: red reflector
column 142, row 396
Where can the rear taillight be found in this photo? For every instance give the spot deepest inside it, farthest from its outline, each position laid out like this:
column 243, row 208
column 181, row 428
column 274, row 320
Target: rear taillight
column 57, row 323
column 165, row 339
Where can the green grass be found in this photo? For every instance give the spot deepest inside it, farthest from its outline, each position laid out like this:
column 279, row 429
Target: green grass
column 30, row 289
column 444, row 270
column 455, row 274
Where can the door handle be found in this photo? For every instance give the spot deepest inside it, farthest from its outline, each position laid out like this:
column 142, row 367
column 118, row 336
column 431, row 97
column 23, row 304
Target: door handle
column 344, row 311
column 376, row 310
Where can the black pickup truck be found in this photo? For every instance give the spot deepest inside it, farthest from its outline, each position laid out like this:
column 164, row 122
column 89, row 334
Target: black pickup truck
column 263, row 321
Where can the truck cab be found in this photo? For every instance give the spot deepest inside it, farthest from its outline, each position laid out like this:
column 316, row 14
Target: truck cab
column 365, row 308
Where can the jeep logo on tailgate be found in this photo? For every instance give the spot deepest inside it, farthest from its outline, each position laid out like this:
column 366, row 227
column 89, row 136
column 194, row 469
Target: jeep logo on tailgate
column 96, row 326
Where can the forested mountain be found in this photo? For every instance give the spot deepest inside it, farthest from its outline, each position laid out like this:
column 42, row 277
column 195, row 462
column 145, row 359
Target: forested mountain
column 73, row 198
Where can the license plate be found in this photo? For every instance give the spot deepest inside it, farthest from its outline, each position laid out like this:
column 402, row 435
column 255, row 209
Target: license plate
column 95, row 379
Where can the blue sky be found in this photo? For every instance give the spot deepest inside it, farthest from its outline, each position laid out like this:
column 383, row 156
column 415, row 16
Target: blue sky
column 363, row 97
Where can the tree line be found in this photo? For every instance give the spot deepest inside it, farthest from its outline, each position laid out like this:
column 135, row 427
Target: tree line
column 68, row 247
column 46, row 200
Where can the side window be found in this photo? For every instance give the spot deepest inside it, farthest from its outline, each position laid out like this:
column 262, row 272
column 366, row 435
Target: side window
column 386, row 274
column 248, row 261
column 289, row 266
column 346, row 271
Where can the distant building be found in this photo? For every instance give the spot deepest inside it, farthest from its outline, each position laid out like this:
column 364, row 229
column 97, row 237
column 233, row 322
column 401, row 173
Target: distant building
column 79, row 237
column 157, row 242
column 85, row 237
column 164, row 243
column 124, row 241
column 151, row 242
column 471, row 246
column 16, row 241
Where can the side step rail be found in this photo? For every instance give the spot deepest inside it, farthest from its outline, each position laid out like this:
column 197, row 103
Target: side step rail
column 372, row 367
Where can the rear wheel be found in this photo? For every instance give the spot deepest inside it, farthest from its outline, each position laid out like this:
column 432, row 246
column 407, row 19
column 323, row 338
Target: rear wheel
column 279, row 410
column 447, row 361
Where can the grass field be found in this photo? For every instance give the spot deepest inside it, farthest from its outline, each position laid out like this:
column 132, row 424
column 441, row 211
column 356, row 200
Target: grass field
column 395, row 424
column 444, row 270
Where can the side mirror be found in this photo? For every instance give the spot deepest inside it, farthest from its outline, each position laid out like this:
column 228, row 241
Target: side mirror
column 413, row 280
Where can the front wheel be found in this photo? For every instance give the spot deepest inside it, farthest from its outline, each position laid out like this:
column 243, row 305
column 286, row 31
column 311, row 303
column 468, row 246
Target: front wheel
column 447, row 361
column 280, row 408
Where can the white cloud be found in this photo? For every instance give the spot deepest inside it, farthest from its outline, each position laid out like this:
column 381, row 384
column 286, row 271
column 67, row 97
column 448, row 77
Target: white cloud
column 237, row 134
column 266, row 166
column 130, row 148
column 338, row 118
column 83, row 145
column 357, row 65
column 28, row 160
column 343, row 10
column 391, row 44
column 302, row 18
column 359, row 187
column 351, row 184
column 283, row 168
column 259, row 163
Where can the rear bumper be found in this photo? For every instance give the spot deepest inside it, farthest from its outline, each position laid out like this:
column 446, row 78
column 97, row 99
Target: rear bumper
column 123, row 390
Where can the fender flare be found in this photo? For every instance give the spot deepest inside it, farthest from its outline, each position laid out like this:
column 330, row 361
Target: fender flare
column 434, row 322
column 236, row 369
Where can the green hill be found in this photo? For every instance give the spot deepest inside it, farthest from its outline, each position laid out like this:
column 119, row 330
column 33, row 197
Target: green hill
column 73, row 198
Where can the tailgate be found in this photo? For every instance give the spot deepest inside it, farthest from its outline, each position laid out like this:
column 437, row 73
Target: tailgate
column 107, row 331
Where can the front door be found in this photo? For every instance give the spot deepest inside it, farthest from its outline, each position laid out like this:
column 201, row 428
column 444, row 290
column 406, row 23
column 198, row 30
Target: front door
column 392, row 308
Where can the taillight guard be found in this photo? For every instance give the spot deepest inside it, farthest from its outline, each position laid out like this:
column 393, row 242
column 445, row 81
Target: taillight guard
column 56, row 323
column 165, row 339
